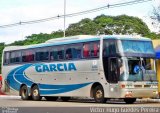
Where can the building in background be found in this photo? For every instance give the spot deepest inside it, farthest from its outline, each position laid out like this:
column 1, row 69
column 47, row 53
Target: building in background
column 156, row 44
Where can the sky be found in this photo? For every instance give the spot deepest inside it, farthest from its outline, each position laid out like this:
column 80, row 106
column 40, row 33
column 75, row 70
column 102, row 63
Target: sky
column 14, row 11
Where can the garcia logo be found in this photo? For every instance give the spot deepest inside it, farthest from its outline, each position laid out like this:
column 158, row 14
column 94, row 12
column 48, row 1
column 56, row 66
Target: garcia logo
column 55, row 67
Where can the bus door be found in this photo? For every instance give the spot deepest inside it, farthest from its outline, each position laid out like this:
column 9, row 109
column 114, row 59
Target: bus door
column 113, row 76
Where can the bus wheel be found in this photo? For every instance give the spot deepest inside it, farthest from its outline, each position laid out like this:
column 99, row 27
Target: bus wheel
column 98, row 94
column 35, row 93
column 24, row 93
column 65, row 99
column 51, row 98
column 129, row 100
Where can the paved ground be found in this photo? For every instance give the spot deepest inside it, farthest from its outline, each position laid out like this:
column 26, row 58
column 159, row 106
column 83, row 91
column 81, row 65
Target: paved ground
column 75, row 106
column 15, row 101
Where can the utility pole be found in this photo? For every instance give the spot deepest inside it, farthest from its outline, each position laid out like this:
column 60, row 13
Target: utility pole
column 64, row 18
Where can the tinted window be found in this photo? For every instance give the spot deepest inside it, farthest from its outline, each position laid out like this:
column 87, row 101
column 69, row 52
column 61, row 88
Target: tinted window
column 73, row 51
column 42, row 54
column 94, row 48
column 109, row 47
column 68, row 54
column 28, row 55
column 57, row 53
column 86, row 50
column 77, row 51
column 91, row 50
column 15, row 57
column 6, row 57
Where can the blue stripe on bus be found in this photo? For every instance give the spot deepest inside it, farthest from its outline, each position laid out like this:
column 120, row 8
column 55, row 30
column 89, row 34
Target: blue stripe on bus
column 63, row 43
column 11, row 81
column 17, row 77
column 56, row 89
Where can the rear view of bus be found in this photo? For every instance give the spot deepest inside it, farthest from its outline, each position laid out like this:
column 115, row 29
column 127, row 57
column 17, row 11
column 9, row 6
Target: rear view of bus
column 129, row 66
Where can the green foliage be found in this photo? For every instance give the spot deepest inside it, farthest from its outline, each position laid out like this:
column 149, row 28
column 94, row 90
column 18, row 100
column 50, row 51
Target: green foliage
column 85, row 27
column 103, row 24
column 38, row 38
column 2, row 45
column 122, row 24
column 153, row 35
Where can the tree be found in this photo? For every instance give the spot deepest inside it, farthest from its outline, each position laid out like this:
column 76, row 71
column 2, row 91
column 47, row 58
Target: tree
column 156, row 17
column 2, row 45
column 156, row 13
column 38, row 38
column 85, row 27
column 103, row 24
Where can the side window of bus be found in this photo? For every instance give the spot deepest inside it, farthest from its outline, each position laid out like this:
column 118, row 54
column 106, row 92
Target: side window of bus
column 54, row 54
column 77, row 51
column 6, row 58
column 57, row 53
column 42, row 54
column 112, row 47
column 28, row 55
column 60, row 53
column 91, row 50
column 86, row 50
column 68, row 54
column 105, row 49
column 15, row 57
column 109, row 48
column 94, row 47
column 73, row 51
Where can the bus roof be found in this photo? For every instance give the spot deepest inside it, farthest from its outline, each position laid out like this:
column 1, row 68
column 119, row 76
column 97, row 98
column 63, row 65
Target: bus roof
column 126, row 37
column 75, row 39
column 70, row 38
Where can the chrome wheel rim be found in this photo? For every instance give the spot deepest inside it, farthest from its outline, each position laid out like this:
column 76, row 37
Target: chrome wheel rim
column 99, row 94
column 24, row 91
column 35, row 92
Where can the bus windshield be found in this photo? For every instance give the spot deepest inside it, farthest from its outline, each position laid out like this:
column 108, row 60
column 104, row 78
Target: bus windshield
column 138, row 69
column 134, row 46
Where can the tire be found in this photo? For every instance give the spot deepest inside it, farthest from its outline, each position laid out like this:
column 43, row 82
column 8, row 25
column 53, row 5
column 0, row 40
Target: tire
column 24, row 93
column 35, row 93
column 65, row 99
column 98, row 94
column 129, row 100
column 51, row 98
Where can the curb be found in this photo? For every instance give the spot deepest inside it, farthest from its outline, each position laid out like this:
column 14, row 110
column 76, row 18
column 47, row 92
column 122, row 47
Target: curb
column 9, row 97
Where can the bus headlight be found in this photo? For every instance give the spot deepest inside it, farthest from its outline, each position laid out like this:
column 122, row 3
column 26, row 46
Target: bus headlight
column 154, row 86
column 155, row 92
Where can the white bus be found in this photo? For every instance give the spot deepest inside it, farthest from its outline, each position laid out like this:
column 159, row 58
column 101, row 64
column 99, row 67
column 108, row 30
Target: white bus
column 102, row 67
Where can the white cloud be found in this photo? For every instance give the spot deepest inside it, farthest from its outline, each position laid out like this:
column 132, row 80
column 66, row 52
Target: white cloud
column 27, row 10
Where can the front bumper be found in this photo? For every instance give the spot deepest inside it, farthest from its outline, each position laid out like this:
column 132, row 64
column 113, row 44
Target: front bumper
column 139, row 93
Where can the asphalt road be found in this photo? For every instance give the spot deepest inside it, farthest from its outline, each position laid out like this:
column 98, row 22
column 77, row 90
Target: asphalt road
column 13, row 104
